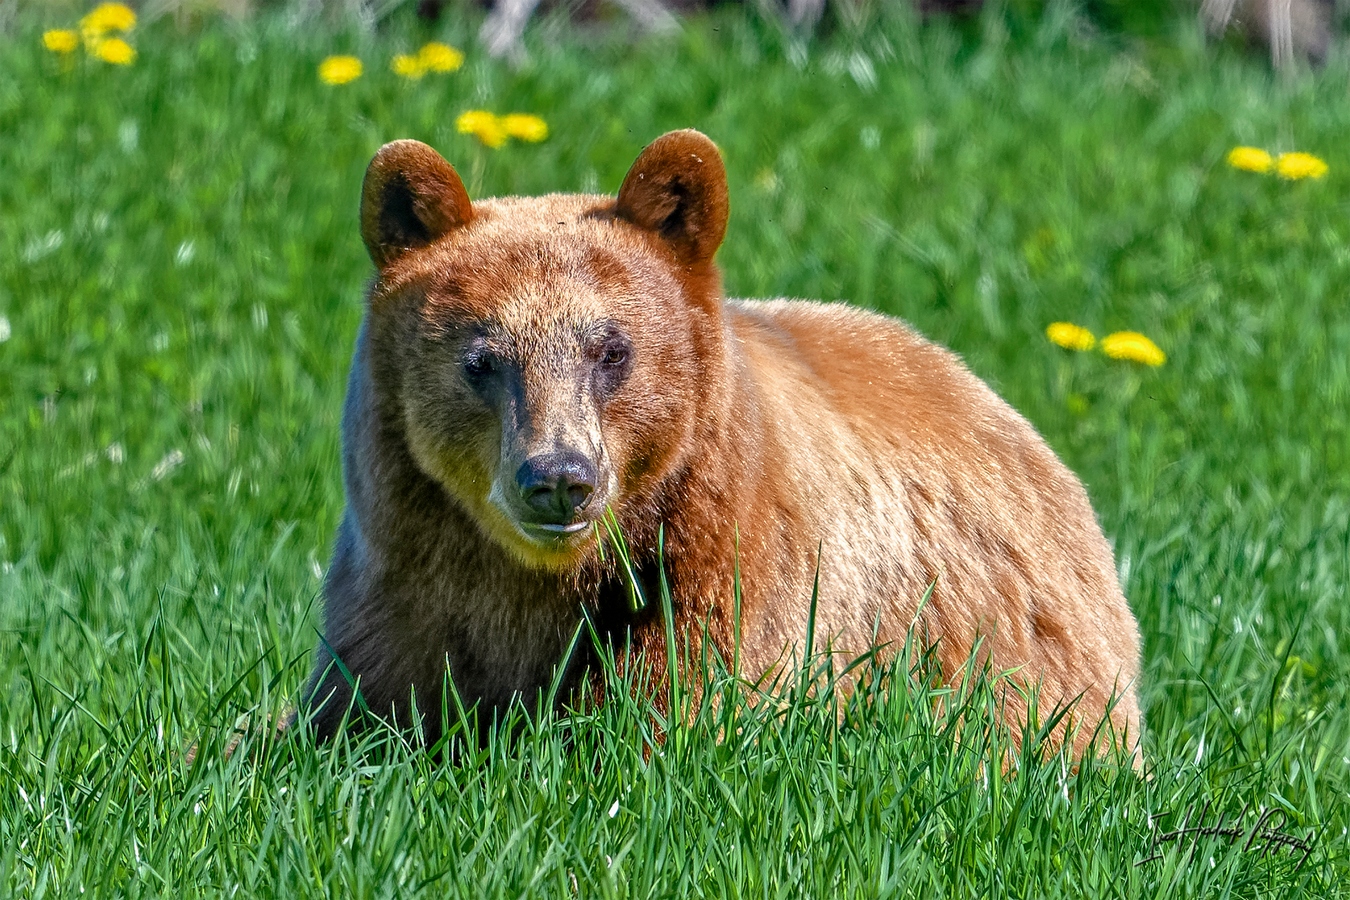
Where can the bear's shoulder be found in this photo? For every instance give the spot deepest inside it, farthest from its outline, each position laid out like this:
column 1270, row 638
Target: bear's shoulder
column 863, row 359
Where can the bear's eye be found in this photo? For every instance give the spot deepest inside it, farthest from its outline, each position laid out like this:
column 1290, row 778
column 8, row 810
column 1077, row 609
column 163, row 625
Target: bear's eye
column 613, row 362
column 479, row 364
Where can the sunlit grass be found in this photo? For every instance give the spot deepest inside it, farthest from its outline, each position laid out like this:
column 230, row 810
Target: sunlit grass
column 180, row 285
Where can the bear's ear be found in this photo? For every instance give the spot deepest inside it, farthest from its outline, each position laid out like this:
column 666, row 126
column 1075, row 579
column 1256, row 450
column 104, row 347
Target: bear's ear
column 677, row 188
column 411, row 196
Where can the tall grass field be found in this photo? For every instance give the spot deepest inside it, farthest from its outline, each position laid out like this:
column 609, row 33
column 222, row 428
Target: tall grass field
column 181, row 280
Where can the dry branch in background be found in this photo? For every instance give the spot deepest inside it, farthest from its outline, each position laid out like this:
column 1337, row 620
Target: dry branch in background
column 1292, row 29
column 504, row 27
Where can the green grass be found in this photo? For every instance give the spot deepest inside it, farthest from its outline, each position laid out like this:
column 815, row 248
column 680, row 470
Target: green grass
column 181, row 274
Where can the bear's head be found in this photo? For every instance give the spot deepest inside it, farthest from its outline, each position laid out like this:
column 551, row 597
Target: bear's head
column 547, row 357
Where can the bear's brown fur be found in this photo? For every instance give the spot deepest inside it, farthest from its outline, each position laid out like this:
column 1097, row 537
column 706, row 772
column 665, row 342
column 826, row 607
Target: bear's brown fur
column 527, row 363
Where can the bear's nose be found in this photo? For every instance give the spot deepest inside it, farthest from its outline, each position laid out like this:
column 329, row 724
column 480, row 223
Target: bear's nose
column 556, row 485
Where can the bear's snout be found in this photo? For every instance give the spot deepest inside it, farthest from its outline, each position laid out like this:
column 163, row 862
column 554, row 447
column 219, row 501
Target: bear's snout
column 556, row 486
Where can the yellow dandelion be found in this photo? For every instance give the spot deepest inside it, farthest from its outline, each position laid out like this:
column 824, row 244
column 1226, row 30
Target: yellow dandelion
column 108, row 17
column 410, row 67
column 472, row 120
column 1250, row 159
column 1299, row 165
column 115, row 51
column 1133, row 346
column 340, row 69
column 60, row 41
column 482, row 125
column 1070, row 336
column 525, row 127
column 438, row 57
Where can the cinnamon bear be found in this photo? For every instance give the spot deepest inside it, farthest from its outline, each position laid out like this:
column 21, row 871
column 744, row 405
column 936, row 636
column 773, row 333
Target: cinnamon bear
column 529, row 365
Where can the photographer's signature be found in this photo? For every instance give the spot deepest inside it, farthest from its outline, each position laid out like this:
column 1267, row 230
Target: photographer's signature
column 1268, row 833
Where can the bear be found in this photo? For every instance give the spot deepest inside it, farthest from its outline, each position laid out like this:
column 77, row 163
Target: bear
column 529, row 367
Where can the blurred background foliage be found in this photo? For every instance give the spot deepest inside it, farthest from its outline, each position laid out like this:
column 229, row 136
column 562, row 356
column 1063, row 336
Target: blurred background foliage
column 1313, row 25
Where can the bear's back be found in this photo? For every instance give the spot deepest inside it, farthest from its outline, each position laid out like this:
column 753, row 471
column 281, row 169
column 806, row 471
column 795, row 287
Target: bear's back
column 920, row 474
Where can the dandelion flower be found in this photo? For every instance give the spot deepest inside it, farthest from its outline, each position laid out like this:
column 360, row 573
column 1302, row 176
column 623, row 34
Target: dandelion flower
column 1070, row 336
column 115, row 51
column 1134, row 347
column 340, row 69
column 1250, row 159
column 61, row 41
column 482, row 125
column 525, row 127
column 1299, row 165
column 108, row 17
column 472, row 120
column 438, row 57
column 410, row 67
